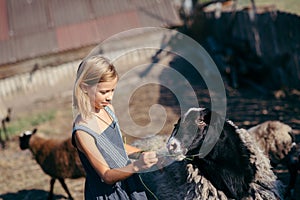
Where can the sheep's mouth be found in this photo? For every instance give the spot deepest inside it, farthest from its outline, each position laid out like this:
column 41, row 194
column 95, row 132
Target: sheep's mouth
column 176, row 149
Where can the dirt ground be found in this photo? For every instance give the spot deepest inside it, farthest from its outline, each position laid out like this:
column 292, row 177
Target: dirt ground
column 21, row 178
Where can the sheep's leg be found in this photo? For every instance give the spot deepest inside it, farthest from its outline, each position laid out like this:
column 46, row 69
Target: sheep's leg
column 62, row 182
column 2, row 142
column 292, row 165
column 52, row 181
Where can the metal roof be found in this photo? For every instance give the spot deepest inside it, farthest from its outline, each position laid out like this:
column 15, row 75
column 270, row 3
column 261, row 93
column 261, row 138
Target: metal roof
column 30, row 28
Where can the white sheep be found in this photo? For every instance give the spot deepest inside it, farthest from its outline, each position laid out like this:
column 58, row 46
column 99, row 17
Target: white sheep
column 274, row 138
column 57, row 158
column 277, row 141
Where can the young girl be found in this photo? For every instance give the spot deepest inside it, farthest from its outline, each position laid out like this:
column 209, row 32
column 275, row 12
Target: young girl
column 96, row 134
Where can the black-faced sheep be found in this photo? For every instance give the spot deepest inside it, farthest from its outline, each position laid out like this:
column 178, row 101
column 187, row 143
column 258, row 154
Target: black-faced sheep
column 278, row 142
column 57, row 158
column 233, row 169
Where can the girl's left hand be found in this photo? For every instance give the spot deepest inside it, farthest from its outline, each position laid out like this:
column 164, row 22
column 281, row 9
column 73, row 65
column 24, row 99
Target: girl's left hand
column 146, row 160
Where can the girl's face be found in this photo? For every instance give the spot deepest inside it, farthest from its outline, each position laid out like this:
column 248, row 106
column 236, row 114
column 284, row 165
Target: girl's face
column 101, row 94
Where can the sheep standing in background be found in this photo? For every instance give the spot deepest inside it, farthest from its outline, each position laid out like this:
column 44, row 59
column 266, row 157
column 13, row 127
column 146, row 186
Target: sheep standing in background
column 57, row 158
column 276, row 139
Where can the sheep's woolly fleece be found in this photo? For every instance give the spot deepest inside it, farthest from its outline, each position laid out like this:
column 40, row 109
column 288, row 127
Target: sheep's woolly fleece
column 156, row 143
column 274, row 138
column 264, row 185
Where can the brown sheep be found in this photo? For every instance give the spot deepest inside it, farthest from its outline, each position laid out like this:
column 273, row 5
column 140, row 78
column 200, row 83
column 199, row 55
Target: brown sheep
column 57, row 158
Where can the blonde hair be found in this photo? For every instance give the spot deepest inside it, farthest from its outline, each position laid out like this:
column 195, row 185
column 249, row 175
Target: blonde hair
column 91, row 71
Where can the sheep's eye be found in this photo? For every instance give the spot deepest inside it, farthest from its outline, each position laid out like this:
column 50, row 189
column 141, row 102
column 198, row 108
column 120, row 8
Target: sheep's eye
column 200, row 122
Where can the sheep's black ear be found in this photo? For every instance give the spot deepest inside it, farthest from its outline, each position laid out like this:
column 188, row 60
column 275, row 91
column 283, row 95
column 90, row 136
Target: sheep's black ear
column 210, row 117
column 34, row 131
column 207, row 116
column 292, row 136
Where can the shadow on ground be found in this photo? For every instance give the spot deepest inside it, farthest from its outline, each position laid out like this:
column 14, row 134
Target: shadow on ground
column 29, row 194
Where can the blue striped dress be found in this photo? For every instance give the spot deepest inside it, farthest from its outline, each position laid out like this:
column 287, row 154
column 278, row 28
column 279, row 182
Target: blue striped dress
column 111, row 146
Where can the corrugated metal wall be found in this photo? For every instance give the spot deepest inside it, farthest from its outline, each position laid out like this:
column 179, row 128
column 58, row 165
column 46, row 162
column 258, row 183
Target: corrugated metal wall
column 30, row 28
column 63, row 75
column 3, row 21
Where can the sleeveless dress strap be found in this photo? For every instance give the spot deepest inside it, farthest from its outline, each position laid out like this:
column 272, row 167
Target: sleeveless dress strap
column 85, row 129
column 114, row 117
column 112, row 114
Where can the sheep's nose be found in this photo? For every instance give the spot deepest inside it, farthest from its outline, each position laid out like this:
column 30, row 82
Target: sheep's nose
column 173, row 145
